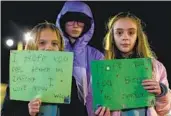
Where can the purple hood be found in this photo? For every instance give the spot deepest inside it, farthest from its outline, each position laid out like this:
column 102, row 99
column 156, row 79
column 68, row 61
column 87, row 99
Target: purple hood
column 76, row 6
column 83, row 53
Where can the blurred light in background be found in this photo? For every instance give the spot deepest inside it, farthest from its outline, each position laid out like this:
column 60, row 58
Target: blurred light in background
column 9, row 42
column 27, row 36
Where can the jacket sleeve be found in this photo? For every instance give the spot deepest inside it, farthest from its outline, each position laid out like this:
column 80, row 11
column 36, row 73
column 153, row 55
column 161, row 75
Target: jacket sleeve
column 7, row 104
column 97, row 55
column 89, row 99
column 12, row 107
column 162, row 105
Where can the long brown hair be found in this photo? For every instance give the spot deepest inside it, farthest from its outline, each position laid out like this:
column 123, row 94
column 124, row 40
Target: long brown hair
column 142, row 48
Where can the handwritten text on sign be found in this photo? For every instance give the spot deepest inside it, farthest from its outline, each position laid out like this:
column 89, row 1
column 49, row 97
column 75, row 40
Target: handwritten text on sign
column 44, row 74
column 117, row 83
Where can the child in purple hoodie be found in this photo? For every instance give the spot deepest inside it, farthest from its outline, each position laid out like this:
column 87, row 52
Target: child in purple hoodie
column 77, row 25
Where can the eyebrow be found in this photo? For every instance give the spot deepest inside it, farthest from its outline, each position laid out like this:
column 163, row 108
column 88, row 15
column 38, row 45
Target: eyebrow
column 58, row 41
column 55, row 41
column 126, row 29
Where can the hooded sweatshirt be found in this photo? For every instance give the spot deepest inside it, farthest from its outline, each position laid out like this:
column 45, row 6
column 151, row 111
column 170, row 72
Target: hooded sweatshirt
column 83, row 53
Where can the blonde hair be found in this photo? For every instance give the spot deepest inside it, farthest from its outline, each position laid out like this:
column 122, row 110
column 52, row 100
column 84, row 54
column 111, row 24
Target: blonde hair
column 35, row 34
column 142, row 46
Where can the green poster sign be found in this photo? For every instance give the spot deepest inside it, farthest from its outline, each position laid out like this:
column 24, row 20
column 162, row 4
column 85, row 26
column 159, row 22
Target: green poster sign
column 117, row 83
column 43, row 74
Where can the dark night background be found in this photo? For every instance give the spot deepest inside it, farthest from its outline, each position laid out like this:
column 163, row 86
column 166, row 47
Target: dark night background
column 19, row 16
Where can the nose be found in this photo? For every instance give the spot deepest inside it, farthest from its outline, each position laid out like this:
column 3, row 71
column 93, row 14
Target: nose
column 125, row 36
column 75, row 24
column 49, row 48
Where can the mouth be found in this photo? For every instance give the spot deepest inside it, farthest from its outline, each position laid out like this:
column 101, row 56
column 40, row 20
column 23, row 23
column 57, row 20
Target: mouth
column 75, row 31
column 125, row 45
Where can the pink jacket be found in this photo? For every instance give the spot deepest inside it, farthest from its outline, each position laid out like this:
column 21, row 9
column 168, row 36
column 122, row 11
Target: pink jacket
column 163, row 104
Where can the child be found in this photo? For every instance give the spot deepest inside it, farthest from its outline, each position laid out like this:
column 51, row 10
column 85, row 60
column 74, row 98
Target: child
column 126, row 39
column 77, row 25
column 45, row 36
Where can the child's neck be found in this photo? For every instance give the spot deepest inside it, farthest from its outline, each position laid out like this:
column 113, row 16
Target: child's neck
column 72, row 40
column 127, row 55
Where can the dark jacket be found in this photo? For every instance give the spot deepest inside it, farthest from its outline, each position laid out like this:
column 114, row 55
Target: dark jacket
column 13, row 107
column 20, row 108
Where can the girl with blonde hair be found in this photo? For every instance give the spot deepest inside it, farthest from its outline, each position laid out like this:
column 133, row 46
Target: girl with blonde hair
column 44, row 36
column 126, row 39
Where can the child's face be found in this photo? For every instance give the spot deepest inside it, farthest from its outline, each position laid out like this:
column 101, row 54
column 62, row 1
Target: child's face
column 125, row 34
column 74, row 28
column 48, row 40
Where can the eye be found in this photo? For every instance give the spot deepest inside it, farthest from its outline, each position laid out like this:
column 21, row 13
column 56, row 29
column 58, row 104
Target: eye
column 55, row 44
column 131, row 33
column 119, row 33
column 70, row 22
column 81, row 24
column 41, row 43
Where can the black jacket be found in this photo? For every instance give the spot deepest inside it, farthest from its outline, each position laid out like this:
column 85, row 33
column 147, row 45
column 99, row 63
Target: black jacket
column 20, row 108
